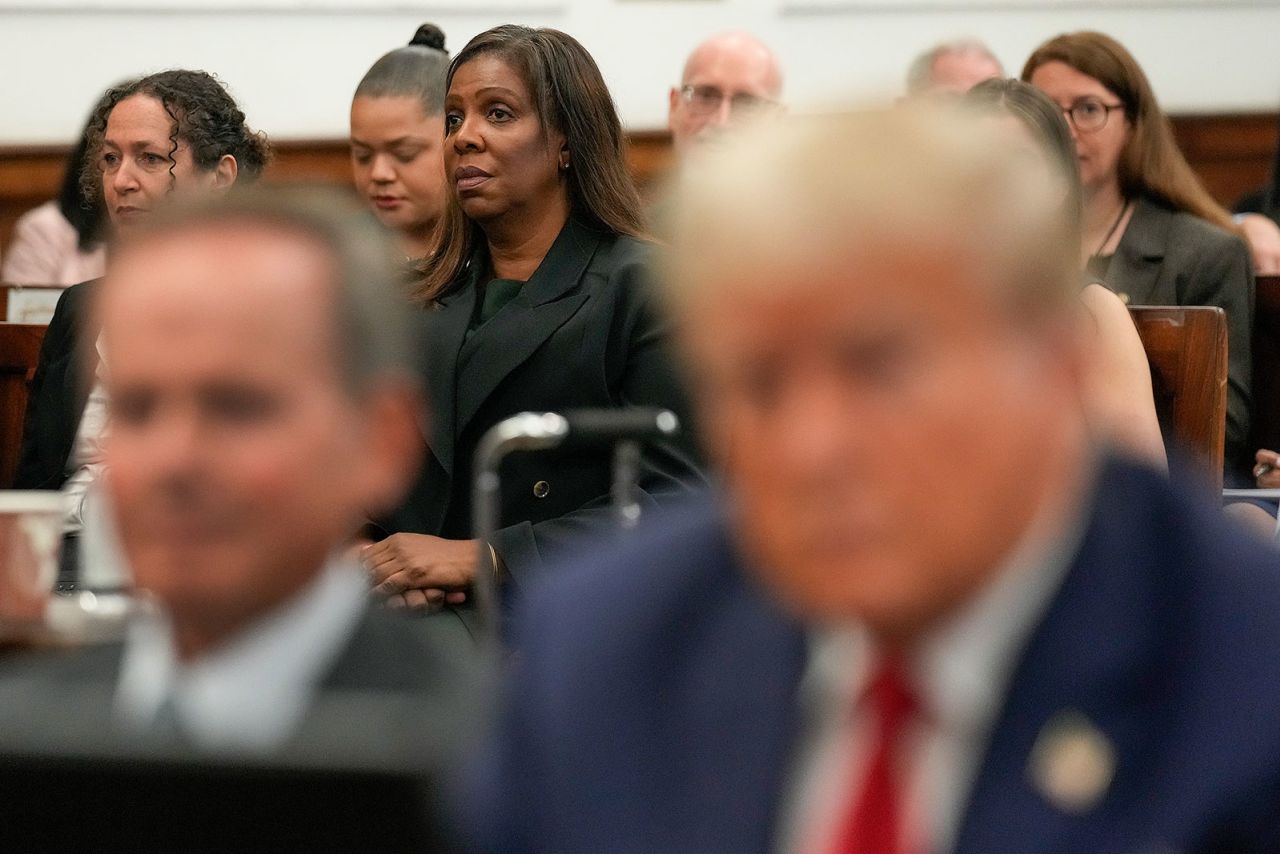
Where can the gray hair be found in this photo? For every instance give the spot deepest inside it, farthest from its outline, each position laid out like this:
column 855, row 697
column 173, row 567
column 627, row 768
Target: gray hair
column 920, row 72
column 376, row 326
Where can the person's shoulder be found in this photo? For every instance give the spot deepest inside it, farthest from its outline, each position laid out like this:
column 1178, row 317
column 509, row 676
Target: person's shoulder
column 75, row 297
column 1227, row 579
column 681, row 557
column 623, row 253
column 47, row 223
column 1196, row 234
column 1103, row 304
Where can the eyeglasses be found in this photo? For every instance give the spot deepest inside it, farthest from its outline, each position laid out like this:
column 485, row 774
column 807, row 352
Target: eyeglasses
column 1090, row 114
column 705, row 100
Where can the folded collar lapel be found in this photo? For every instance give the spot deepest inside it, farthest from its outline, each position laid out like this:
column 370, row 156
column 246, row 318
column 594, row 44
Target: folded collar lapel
column 447, row 331
column 1136, row 265
column 511, row 336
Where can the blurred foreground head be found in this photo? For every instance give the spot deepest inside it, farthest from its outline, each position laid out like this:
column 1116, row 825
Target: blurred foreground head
column 261, row 374
column 883, row 350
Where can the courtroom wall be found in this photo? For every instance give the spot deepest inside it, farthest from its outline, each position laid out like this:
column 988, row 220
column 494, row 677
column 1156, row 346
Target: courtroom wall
column 293, row 63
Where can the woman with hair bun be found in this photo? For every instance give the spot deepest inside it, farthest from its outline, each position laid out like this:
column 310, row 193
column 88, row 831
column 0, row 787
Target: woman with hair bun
column 1152, row 233
column 397, row 128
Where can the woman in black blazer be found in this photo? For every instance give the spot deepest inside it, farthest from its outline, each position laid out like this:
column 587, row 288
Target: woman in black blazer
column 537, row 299
column 1152, row 233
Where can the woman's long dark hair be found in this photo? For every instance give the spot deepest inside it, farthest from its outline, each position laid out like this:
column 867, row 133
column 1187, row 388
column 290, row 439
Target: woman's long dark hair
column 572, row 99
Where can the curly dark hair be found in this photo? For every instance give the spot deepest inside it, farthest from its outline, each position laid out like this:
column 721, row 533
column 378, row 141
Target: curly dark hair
column 204, row 116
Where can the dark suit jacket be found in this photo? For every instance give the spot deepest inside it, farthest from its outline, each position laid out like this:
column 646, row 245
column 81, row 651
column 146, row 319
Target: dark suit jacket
column 59, row 391
column 1174, row 258
column 654, row 709
column 398, row 689
column 582, row 333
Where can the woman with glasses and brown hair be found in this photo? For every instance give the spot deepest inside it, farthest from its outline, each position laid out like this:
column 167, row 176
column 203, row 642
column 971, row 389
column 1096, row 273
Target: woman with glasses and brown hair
column 537, row 298
column 1151, row 232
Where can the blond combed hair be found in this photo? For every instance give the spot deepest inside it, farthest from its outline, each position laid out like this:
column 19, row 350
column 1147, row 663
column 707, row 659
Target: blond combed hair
column 785, row 198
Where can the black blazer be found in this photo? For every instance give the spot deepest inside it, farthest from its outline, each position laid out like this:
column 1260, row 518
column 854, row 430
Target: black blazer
column 583, row 332
column 1168, row 257
column 59, row 391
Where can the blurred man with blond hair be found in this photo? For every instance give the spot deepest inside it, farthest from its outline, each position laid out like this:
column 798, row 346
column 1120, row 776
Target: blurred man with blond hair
column 927, row 613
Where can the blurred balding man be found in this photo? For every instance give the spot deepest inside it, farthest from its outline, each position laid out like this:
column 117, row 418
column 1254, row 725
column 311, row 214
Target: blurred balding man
column 726, row 77
column 952, row 68
column 263, row 383
column 929, row 614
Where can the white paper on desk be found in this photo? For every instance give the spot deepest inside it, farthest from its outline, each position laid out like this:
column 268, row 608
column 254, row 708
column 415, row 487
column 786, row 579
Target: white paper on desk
column 32, row 305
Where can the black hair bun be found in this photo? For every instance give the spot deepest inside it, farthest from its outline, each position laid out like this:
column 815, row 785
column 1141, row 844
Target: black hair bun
column 429, row 35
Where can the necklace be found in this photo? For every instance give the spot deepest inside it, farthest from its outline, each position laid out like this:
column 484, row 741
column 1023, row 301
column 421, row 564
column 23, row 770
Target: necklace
column 1124, row 209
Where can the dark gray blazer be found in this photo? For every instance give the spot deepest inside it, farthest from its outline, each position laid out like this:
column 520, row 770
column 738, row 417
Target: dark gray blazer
column 1167, row 257
column 400, row 691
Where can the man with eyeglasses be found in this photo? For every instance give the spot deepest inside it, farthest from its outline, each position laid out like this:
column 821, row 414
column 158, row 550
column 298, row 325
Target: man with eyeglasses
column 726, row 76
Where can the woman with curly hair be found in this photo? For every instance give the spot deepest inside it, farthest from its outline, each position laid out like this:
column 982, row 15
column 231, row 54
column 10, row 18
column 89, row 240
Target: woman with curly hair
column 173, row 132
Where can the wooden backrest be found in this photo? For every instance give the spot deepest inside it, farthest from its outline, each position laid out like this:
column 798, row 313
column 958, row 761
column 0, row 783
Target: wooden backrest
column 1187, row 350
column 1264, row 415
column 19, row 352
column 36, row 302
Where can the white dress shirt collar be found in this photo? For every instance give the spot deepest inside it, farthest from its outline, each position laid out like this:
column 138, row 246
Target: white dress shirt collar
column 960, row 671
column 250, row 693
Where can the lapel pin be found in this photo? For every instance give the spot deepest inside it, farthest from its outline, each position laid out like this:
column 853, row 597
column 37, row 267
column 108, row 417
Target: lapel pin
column 1072, row 762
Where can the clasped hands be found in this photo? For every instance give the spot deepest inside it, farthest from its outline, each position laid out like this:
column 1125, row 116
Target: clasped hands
column 419, row 571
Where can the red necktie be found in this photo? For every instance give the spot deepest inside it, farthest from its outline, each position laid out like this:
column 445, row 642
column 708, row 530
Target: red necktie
column 874, row 822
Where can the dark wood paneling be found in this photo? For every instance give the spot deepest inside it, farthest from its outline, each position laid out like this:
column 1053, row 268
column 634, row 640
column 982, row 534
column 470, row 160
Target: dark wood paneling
column 1231, row 152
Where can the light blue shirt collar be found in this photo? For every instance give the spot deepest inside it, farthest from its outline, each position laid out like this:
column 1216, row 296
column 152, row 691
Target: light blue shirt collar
column 250, row 693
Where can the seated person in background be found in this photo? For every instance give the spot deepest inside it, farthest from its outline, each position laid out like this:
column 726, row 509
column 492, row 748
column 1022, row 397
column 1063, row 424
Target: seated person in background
column 1054, row 651
column 1257, row 215
column 1152, row 233
column 1120, row 402
column 397, row 129
column 537, row 298
column 174, row 132
column 264, row 387
column 952, row 68
column 725, row 77
column 62, row 242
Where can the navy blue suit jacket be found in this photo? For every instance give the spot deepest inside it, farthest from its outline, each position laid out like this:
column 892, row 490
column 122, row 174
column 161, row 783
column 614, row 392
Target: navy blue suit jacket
column 652, row 707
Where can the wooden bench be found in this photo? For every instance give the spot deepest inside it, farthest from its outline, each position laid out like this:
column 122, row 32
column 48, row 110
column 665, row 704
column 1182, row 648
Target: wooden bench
column 19, row 353
column 1187, row 350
